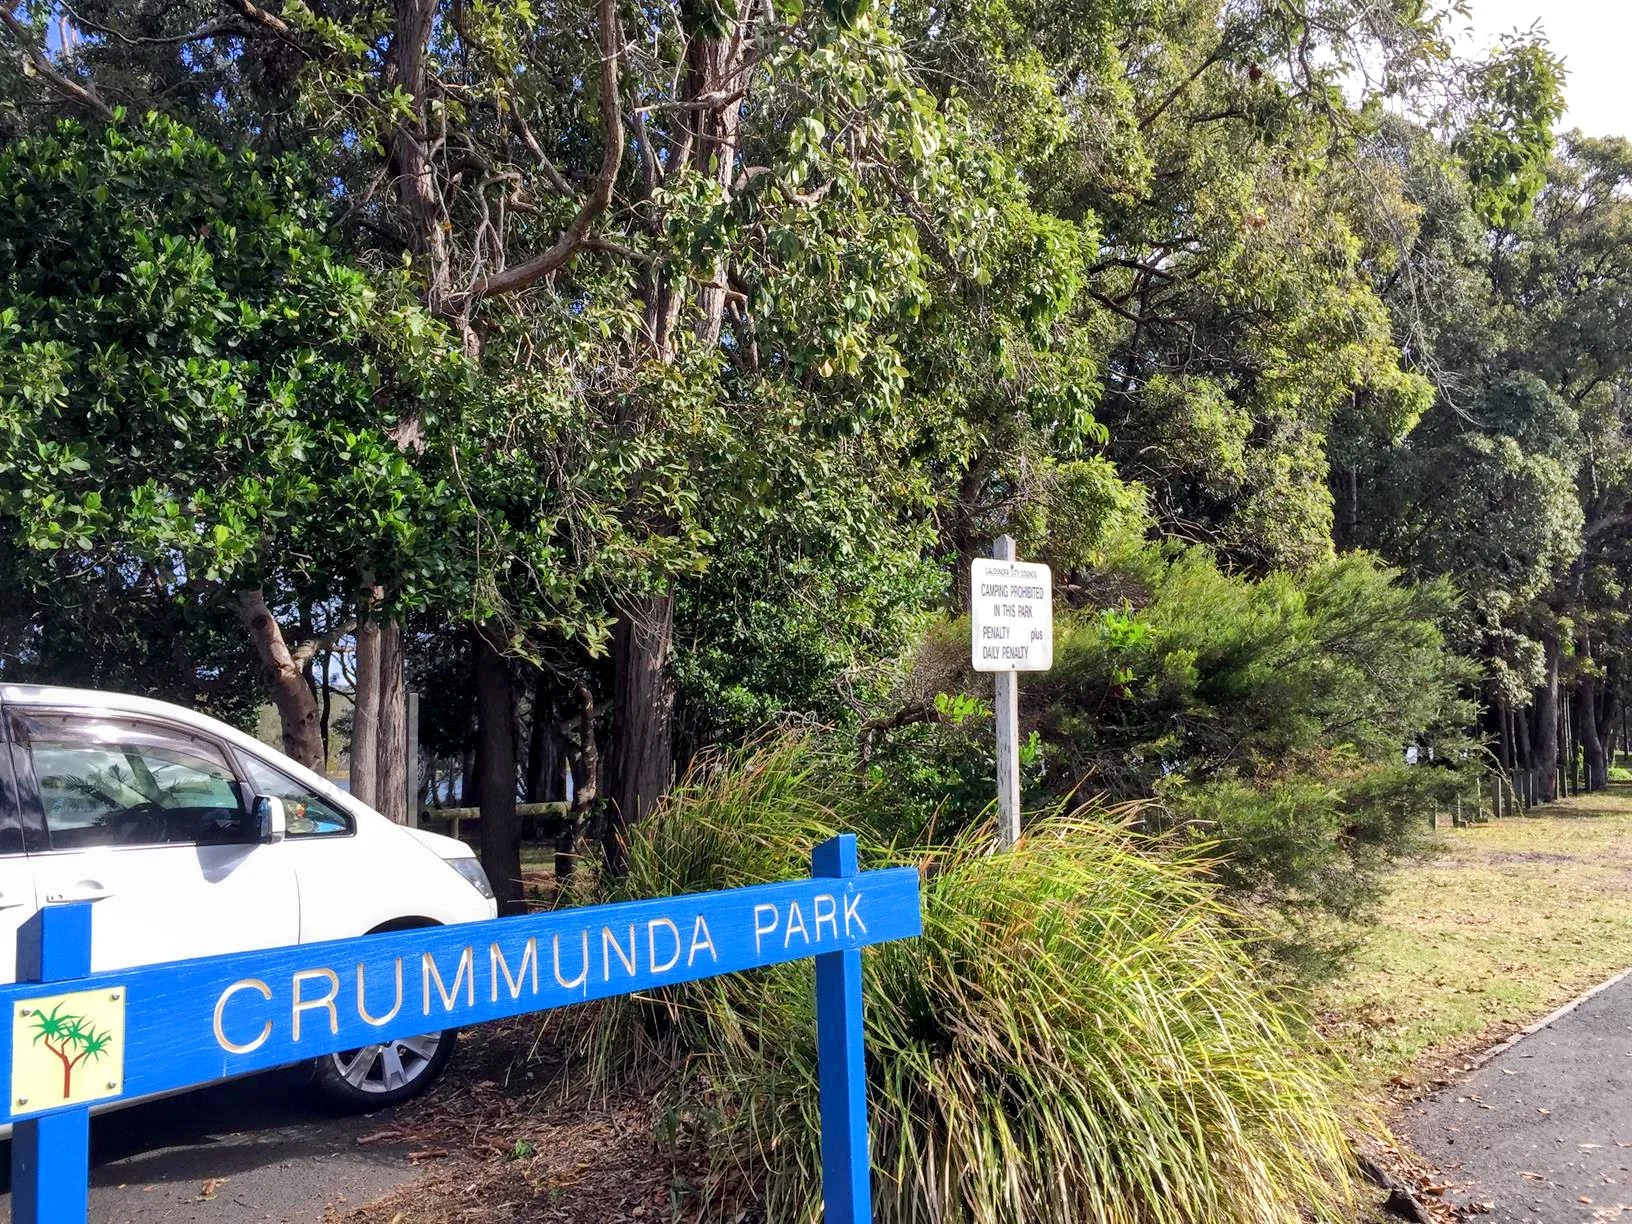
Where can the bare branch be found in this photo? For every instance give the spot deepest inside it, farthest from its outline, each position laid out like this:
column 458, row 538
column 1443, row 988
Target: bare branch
column 35, row 63
column 616, row 248
column 718, row 99
column 530, row 272
column 209, row 29
column 321, row 644
column 870, row 731
column 544, row 162
column 648, row 155
column 269, row 21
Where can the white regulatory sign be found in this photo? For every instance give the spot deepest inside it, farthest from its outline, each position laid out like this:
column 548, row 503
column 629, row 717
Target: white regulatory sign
column 1011, row 608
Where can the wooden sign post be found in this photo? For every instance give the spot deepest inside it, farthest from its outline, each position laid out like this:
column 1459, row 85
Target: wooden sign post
column 1011, row 630
column 79, row 1038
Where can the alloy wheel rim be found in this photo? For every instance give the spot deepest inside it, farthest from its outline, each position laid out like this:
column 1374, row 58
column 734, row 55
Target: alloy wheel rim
column 387, row 1066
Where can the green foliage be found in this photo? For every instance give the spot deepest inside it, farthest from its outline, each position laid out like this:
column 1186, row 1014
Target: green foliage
column 1268, row 718
column 1515, row 99
column 67, row 620
column 193, row 386
column 1487, row 498
column 1298, row 850
column 1216, row 674
column 1076, row 1037
column 760, row 640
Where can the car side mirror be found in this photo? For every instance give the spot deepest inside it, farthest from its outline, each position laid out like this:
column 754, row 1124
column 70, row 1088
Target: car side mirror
column 270, row 821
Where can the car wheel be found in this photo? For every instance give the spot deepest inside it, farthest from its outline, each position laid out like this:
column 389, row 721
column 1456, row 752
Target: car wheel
column 387, row 1073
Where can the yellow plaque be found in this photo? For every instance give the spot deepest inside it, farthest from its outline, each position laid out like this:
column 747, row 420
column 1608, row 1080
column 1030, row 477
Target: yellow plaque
column 67, row 1049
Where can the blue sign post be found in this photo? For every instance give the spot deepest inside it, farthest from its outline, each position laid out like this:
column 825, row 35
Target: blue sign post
column 79, row 1039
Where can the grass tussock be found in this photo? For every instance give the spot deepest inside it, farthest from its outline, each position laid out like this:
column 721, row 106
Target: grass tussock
column 1076, row 1037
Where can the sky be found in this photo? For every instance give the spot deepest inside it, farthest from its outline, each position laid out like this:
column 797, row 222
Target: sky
column 1594, row 37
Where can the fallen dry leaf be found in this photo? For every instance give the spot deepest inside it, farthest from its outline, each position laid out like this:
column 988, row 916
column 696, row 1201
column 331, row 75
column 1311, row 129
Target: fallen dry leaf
column 210, row 1186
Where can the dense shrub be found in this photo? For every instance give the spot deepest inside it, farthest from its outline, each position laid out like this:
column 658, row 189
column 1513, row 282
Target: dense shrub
column 1212, row 674
column 1266, row 717
column 1077, row 1036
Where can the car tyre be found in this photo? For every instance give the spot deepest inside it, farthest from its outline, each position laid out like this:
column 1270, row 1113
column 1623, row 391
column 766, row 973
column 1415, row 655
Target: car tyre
column 381, row 1075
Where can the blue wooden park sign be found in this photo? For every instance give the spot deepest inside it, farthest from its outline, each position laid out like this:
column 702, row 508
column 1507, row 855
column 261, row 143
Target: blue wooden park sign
column 80, row 1039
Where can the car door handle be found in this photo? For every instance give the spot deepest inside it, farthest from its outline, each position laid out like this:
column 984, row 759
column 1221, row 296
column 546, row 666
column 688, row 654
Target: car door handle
column 79, row 892
column 7, row 903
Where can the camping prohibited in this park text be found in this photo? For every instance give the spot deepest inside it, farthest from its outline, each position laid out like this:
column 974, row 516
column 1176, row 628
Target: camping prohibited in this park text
column 1011, row 607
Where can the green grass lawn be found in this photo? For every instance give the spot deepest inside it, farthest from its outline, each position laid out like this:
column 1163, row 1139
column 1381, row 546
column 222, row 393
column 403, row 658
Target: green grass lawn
column 1511, row 919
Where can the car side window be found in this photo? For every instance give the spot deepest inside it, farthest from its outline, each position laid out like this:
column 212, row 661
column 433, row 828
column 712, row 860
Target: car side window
column 307, row 814
column 109, row 781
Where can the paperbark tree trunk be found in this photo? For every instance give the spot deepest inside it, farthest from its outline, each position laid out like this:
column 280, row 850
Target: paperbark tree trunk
column 642, row 705
column 495, row 730
column 391, row 747
column 586, row 783
column 365, row 713
column 297, row 707
column 1544, row 758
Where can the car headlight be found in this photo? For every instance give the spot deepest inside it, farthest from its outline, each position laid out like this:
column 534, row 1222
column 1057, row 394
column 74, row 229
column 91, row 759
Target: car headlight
column 471, row 869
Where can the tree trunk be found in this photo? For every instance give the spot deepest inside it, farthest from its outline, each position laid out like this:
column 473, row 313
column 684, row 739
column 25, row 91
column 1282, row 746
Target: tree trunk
column 1609, row 711
column 495, row 733
column 1586, row 733
column 365, row 713
column 642, row 701
column 1545, row 757
column 1521, row 744
column 391, row 748
column 297, row 707
column 408, row 143
column 586, row 784
column 544, row 747
column 1495, row 720
column 470, row 788
column 326, row 662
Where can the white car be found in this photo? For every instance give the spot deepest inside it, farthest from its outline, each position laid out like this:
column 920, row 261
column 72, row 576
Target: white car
column 195, row 839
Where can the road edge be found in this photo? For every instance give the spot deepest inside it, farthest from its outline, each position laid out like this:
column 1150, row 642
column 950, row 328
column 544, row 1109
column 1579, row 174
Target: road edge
column 1552, row 1017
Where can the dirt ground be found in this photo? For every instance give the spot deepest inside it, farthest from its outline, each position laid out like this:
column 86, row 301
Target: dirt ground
column 504, row 1139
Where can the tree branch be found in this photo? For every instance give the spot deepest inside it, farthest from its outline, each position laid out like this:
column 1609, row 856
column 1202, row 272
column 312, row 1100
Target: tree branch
column 544, row 162
column 321, row 644
column 869, row 732
column 1130, row 316
column 1173, row 94
column 269, row 21
column 209, row 29
column 35, row 63
column 522, row 275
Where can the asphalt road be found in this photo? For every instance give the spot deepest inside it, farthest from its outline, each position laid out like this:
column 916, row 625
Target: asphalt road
column 1543, row 1131
column 280, row 1158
